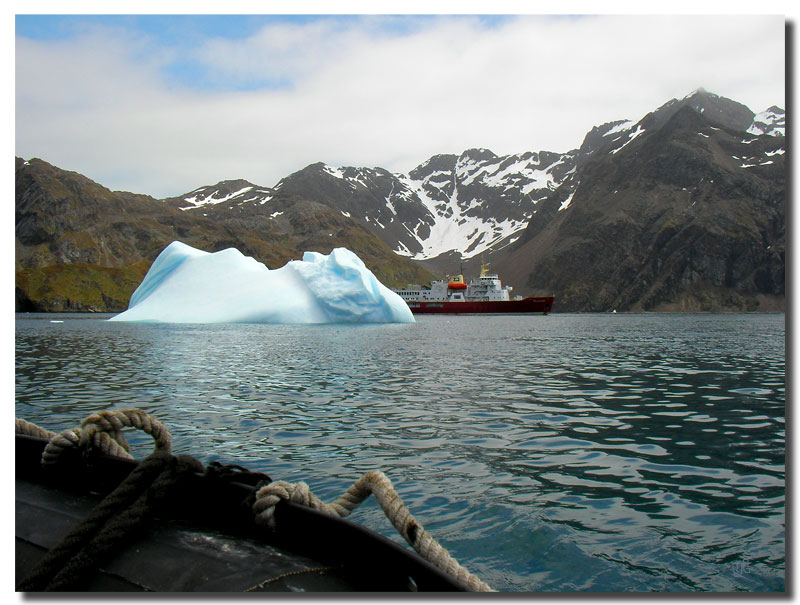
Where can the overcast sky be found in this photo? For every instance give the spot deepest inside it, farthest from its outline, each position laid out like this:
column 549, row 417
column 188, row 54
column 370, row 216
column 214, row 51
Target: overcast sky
column 162, row 105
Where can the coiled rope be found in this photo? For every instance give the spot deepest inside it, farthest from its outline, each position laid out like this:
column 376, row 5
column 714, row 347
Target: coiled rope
column 150, row 484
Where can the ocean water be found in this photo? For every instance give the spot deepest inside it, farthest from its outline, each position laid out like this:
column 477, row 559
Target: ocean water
column 560, row 453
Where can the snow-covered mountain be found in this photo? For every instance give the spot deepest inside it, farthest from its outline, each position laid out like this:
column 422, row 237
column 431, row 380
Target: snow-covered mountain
column 683, row 209
column 467, row 204
column 478, row 206
column 479, row 201
column 475, row 203
column 470, row 203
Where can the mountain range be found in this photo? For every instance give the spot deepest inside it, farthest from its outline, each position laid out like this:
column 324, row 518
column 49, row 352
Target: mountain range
column 682, row 210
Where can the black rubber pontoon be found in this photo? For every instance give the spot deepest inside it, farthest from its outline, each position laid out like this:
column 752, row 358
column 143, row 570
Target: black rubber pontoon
column 208, row 540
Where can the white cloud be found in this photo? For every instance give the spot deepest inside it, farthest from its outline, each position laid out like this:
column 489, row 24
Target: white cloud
column 356, row 92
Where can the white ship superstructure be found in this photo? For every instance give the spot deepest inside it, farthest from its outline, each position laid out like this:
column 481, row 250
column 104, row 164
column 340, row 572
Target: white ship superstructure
column 487, row 287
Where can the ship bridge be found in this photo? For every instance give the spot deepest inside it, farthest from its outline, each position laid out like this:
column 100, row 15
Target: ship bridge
column 487, row 287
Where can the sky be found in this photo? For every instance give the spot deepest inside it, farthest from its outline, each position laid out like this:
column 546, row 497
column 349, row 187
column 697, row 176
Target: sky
column 162, row 104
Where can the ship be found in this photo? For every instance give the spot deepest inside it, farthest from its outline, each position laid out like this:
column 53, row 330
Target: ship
column 484, row 294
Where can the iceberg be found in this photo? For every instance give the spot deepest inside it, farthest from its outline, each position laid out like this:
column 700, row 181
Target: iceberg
column 187, row 285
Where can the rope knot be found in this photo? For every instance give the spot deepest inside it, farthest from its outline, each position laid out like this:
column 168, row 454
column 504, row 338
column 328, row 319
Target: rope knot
column 268, row 497
column 301, row 494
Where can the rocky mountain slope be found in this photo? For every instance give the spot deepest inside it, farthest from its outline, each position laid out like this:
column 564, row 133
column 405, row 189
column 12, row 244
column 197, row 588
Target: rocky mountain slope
column 81, row 247
column 702, row 176
column 684, row 210
column 470, row 203
column 681, row 210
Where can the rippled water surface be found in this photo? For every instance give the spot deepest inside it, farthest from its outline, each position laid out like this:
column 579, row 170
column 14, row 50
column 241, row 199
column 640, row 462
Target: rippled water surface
column 558, row 453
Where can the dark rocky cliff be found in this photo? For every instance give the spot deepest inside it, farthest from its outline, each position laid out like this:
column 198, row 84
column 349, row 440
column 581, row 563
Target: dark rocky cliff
column 687, row 217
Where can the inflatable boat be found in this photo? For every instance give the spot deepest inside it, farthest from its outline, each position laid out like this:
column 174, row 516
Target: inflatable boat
column 203, row 537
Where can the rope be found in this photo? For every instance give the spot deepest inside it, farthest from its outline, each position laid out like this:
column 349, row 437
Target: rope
column 101, row 432
column 148, row 486
column 372, row 482
column 111, row 522
column 23, row 427
column 117, row 518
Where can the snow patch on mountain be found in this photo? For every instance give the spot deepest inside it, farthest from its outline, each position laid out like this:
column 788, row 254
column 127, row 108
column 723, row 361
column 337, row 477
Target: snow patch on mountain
column 508, row 173
column 621, row 127
column 565, row 204
column 333, row 171
column 211, row 198
column 453, row 227
column 631, row 137
column 771, row 122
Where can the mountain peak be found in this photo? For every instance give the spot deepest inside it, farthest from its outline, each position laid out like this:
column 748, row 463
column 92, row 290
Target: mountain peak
column 720, row 110
column 699, row 92
column 441, row 162
column 478, row 153
column 208, row 195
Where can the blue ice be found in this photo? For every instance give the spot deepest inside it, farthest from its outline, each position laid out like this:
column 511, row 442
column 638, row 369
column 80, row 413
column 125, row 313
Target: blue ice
column 186, row 285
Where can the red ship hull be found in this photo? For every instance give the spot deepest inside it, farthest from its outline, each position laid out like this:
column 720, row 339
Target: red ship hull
column 532, row 304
